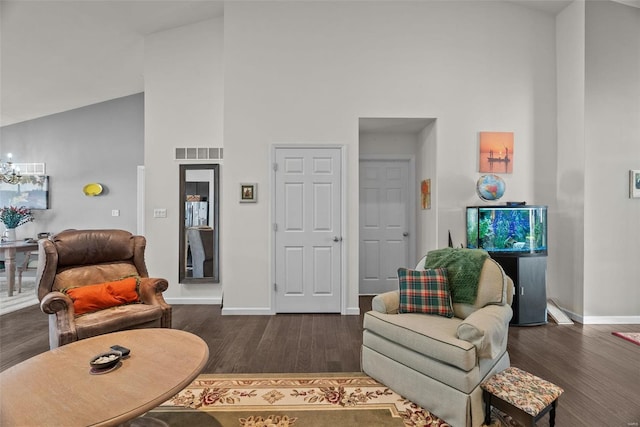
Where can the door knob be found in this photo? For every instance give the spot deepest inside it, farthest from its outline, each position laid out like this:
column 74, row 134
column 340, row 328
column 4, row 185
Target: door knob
column 405, row 234
column 337, row 239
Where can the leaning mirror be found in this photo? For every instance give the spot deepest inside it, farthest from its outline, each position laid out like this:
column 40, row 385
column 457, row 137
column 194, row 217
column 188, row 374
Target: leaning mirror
column 199, row 231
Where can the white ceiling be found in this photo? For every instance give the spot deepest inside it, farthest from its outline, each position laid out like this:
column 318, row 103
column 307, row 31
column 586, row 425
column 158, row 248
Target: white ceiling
column 57, row 55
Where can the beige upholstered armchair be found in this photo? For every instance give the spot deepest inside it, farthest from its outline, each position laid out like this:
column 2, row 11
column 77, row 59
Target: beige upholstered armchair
column 439, row 362
column 75, row 259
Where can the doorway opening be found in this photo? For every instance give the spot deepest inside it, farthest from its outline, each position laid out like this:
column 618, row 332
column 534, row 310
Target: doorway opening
column 395, row 155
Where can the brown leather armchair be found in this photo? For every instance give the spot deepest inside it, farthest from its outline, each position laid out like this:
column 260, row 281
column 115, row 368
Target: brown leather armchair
column 86, row 257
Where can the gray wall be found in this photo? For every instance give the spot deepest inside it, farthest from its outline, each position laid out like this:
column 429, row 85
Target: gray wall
column 611, row 149
column 101, row 143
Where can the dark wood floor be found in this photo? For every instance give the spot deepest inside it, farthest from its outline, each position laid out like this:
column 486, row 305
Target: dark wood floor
column 599, row 372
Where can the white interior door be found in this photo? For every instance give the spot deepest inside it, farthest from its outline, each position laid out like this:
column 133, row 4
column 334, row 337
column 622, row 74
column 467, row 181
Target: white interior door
column 308, row 230
column 384, row 224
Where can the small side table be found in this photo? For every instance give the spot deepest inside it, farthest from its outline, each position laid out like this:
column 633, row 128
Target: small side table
column 522, row 395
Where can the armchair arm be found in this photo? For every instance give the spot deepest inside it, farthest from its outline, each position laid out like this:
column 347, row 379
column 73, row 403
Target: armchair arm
column 62, row 327
column 150, row 291
column 387, row 303
column 56, row 302
column 487, row 329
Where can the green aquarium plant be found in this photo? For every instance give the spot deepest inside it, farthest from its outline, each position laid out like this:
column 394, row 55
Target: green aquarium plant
column 486, row 232
column 502, row 233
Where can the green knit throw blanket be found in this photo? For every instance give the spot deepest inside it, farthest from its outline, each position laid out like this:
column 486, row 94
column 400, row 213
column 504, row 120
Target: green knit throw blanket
column 463, row 270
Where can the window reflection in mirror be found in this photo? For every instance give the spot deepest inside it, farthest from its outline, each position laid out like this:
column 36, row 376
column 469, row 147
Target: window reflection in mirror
column 199, row 231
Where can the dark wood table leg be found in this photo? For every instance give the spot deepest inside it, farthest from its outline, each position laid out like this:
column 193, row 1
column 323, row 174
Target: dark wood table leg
column 552, row 414
column 487, row 407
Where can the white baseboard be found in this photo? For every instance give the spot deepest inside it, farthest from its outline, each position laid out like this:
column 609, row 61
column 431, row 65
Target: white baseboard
column 353, row 311
column 611, row 320
column 603, row 320
column 247, row 311
column 193, row 301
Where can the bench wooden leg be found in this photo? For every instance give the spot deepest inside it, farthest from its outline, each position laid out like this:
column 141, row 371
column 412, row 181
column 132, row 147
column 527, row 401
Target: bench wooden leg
column 487, row 407
column 552, row 414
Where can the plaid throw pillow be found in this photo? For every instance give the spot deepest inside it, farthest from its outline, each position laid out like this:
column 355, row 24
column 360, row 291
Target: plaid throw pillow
column 425, row 292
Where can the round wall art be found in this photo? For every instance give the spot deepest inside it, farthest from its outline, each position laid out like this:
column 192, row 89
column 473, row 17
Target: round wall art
column 490, row 187
column 93, row 189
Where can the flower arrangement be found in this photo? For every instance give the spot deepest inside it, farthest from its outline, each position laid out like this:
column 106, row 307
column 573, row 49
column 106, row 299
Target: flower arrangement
column 13, row 217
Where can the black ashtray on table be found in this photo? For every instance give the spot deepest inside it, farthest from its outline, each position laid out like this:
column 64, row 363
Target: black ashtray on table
column 105, row 362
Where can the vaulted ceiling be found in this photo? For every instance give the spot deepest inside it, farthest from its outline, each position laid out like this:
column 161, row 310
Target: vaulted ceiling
column 60, row 55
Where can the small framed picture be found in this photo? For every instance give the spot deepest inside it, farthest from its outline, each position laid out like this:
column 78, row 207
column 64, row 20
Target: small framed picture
column 248, row 193
column 634, row 184
column 425, row 193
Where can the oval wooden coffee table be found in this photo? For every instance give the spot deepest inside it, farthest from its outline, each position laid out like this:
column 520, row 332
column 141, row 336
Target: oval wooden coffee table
column 56, row 388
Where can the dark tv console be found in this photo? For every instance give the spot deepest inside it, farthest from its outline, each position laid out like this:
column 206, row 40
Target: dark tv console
column 530, row 295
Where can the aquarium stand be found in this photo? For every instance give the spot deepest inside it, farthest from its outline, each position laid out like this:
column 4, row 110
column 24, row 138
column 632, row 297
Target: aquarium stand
column 529, row 278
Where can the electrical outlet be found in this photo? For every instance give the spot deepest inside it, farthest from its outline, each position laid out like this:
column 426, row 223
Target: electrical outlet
column 159, row 213
column 115, row 212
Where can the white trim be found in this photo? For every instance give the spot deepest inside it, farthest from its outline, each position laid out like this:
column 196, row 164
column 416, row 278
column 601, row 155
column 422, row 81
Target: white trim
column 610, row 320
column 272, row 235
column 352, row 311
column 247, row 311
column 344, row 279
column 603, row 320
column 188, row 301
column 140, row 205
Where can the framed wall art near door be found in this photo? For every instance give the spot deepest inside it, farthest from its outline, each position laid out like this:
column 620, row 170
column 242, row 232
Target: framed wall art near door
column 634, row 184
column 248, row 193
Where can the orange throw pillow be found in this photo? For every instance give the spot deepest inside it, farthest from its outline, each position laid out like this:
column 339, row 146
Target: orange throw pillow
column 103, row 295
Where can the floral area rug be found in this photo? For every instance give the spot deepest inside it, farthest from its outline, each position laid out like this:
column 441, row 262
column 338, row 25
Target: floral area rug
column 633, row 337
column 282, row 400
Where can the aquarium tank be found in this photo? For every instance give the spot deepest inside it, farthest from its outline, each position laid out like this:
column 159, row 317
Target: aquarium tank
column 517, row 230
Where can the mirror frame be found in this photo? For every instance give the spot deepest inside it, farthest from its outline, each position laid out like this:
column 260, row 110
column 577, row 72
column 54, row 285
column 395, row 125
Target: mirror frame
column 182, row 268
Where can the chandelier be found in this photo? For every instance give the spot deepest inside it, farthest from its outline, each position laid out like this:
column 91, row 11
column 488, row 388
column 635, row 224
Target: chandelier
column 9, row 173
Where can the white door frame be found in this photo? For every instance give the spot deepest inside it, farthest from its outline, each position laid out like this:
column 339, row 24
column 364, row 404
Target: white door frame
column 343, row 219
column 412, row 198
column 140, row 206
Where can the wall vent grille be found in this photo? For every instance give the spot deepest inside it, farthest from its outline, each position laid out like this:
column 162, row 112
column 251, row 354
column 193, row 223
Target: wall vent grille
column 31, row 168
column 199, row 153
